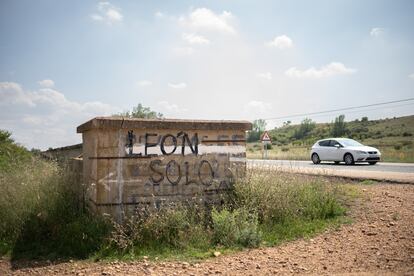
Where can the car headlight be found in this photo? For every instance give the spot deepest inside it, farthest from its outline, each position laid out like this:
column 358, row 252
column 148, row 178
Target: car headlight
column 361, row 152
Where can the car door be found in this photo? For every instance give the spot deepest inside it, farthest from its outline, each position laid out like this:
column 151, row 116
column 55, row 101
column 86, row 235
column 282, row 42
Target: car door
column 335, row 151
column 323, row 150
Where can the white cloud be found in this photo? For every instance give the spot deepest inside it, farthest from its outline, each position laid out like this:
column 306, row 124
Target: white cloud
column 331, row 69
column 411, row 76
column 171, row 108
column 46, row 83
column 46, row 112
column 204, row 19
column 113, row 15
column 144, row 83
column 96, row 17
column 33, row 120
column 108, row 13
column 377, row 32
column 12, row 93
column 180, row 85
column 257, row 107
column 159, row 14
column 281, row 42
column 266, row 76
column 195, row 39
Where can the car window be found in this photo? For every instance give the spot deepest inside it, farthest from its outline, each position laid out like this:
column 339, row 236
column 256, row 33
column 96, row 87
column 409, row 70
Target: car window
column 333, row 143
column 324, row 143
column 350, row 143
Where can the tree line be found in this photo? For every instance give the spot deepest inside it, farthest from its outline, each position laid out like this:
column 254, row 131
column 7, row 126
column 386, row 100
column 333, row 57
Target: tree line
column 338, row 128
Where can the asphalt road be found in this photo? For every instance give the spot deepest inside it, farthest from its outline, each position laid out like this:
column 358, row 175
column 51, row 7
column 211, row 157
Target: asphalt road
column 399, row 172
column 380, row 166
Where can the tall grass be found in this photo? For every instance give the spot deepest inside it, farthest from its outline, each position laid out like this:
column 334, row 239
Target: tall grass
column 278, row 197
column 41, row 216
column 279, row 152
column 40, row 213
column 290, row 206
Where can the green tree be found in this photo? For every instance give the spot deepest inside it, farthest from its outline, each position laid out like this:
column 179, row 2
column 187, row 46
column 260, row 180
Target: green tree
column 287, row 123
column 141, row 111
column 259, row 126
column 306, row 126
column 339, row 126
column 11, row 153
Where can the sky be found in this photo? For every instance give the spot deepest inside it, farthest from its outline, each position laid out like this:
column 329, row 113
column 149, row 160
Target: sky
column 65, row 62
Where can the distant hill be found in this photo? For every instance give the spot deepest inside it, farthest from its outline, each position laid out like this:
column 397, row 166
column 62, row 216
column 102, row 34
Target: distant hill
column 384, row 132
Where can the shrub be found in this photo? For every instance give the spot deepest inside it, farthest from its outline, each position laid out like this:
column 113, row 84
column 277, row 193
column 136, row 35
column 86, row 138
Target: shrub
column 397, row 147
column 224, row 225
column 238, row 227
column 168, row 226
column 407, row 134
column 11, row 154
column 284, row 149
column 174, row 226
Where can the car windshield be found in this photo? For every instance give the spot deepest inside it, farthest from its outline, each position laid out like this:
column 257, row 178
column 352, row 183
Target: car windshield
column 350, row 143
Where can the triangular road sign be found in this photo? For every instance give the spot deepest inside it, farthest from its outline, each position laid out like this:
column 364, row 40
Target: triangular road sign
column 266, row 137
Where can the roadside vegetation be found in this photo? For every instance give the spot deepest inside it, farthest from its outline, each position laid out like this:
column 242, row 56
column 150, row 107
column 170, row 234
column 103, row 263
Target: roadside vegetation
column 42, row 215
column 393, row 137
column 40, row 210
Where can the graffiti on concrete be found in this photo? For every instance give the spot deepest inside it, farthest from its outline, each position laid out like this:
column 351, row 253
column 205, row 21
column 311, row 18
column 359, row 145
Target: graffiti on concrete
column 153, row 167
column 175, row 171
column 168, row 144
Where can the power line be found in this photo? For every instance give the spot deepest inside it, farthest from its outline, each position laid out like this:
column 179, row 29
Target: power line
column 368, row 110
column 362, row 110
column 336, row 110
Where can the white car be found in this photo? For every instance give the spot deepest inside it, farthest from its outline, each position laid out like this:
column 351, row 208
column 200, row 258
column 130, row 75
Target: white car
column 343, row 150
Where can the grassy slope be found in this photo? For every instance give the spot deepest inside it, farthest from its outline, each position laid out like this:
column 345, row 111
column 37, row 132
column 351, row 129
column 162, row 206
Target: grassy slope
column 394, row 137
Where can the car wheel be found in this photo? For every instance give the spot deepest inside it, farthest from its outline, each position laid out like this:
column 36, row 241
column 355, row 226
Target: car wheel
column 349, row 159
column 336, row 162
column 315, row 158
column 372, row 163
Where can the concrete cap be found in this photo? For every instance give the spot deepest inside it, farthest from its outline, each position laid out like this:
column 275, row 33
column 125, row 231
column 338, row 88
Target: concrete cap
column 134, row 123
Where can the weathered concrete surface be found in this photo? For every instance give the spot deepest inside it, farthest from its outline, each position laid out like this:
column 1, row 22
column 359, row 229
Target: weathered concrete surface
column 134, row 163
column 120, row 122
column 63, row 153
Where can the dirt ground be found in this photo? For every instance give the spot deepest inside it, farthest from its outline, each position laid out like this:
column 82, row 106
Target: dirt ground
column 379, row 241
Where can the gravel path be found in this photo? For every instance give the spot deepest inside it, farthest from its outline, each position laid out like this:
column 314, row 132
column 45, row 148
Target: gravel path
column 380, row 241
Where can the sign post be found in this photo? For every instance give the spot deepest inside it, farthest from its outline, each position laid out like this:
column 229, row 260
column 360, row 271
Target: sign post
column 265, row 140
